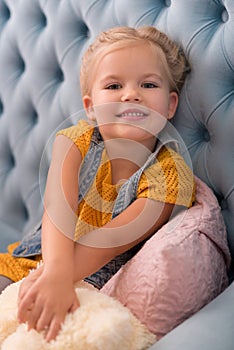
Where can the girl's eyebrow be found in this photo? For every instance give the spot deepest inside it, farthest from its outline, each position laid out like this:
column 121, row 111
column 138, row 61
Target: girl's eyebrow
column 109, row 77
column 144, row 76
column 153, row 75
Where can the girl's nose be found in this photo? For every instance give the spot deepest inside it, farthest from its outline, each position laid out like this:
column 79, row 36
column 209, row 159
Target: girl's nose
column 131, row 95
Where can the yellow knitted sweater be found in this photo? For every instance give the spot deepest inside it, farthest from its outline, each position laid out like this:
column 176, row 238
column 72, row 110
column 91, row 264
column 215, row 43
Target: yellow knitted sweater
column 168, row 180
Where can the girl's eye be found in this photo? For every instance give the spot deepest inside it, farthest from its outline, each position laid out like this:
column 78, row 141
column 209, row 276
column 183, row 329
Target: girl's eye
column 113, row 86
column 149, row 85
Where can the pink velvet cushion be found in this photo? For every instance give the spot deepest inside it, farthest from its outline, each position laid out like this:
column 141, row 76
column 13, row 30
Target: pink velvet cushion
column 179, row 269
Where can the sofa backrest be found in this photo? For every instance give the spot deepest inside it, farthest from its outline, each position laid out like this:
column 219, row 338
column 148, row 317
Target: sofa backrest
column 41, row 45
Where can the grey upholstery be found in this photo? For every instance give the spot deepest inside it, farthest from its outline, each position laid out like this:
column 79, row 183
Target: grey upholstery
column 41, row 44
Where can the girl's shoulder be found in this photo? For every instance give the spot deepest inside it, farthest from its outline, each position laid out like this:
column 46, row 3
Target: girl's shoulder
column 168, row 158
column 171, row 175
column 80, row 134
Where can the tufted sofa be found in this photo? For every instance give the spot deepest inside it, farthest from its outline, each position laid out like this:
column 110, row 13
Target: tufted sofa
column 41, row 44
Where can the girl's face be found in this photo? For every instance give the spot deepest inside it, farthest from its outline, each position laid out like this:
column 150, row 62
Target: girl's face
column 130, row 96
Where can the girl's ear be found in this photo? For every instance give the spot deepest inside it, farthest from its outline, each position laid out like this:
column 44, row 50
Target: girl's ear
column 88, row 106
column 173, row 103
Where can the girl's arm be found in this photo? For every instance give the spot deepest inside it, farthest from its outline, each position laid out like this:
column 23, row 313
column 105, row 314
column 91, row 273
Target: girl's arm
column 61, row 202
column 136, row 223
column 48, row 294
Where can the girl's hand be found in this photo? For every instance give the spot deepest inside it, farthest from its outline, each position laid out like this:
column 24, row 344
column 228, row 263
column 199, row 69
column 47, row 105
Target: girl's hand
column 44, row 300
column 28, row 282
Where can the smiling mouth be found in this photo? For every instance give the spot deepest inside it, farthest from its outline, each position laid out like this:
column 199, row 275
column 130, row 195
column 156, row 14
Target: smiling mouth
column 133, row 115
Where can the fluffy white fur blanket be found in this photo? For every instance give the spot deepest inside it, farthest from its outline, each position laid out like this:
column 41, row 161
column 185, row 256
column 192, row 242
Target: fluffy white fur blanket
column 100, row 323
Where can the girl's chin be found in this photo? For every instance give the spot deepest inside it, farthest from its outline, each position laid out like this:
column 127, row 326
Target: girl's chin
column 131, row 125
column 128, row 132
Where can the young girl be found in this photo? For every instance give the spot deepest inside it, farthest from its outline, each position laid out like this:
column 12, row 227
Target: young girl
column 113, row 181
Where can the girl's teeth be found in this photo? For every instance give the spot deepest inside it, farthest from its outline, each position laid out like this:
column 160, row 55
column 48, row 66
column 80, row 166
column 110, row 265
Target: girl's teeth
column 134, row 114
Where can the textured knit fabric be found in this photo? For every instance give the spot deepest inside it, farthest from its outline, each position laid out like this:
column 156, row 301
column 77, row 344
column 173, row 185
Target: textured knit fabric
column 16, row 268
column 169, row 180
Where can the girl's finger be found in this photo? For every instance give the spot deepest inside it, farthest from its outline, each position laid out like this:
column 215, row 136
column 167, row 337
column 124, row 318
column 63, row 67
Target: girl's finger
column 24, row 288
column 25, row 306
column 54, row 328
column 33, row 315
column 44, row 320
column 26, row 285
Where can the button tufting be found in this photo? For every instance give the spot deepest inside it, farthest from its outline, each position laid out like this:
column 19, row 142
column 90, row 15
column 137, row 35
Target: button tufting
column 11, row 161
column 43, row 20
column 34, row 117
column 20, row 64
column 168, row 3
column 59, row 75
column 206, row 135
column 5, row 12
column 224, row 16
column 223, row 204
column 25, row 212
column 1, row 108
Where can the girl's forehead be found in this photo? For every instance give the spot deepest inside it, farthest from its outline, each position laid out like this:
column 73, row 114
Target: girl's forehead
column 141, row 57
column 115, row 57
column 131, row 46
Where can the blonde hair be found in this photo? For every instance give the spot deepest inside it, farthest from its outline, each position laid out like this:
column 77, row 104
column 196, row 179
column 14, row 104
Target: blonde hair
column 172, row 57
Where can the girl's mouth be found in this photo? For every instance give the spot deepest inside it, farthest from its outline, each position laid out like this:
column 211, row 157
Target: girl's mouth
column 132, row 114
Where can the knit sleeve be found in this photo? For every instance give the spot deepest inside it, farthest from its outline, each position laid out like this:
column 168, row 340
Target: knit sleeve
column 168, row 180
column 80, row 134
